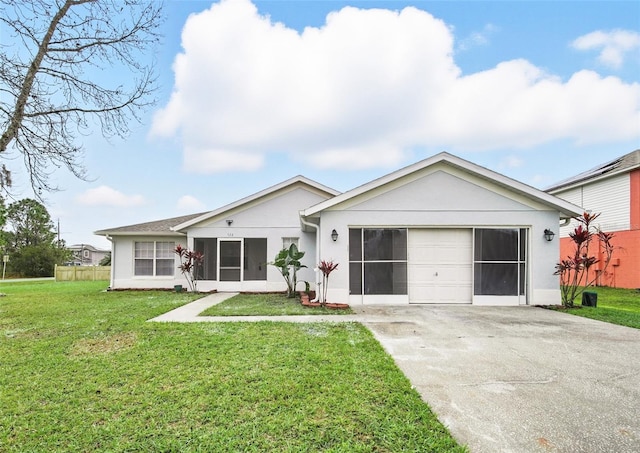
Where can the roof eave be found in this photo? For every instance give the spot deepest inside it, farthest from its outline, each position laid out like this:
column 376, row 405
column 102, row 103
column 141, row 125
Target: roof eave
column 589, row 180
column 565, row 209
column 139, row 233
column 256, row 196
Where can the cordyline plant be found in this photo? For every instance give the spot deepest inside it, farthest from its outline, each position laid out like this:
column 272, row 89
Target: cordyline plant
column 574, row 271
column 288, row 263
column 190, row 261
column 326, row 267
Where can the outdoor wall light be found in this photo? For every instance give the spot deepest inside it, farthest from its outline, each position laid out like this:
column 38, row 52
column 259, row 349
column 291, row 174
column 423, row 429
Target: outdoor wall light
column 229, row 222
column 548, row 235
column 334, row 235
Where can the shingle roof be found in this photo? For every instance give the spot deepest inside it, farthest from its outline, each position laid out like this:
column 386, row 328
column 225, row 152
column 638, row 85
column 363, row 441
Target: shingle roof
column 156, row 227
column 85, row 247
column 168, row 226
column 622, row 164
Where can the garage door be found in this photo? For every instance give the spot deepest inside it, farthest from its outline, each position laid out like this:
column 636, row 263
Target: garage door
column 439, row 266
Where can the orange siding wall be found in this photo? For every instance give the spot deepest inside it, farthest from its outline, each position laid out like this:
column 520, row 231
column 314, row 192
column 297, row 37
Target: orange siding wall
column 624, row 270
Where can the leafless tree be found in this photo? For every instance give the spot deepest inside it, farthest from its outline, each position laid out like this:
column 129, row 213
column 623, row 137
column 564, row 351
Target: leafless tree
column 65, row 67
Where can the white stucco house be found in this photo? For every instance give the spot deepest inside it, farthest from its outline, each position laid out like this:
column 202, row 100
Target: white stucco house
column 442, row 230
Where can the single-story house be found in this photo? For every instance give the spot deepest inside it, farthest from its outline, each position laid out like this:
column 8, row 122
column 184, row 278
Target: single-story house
column 442, row 230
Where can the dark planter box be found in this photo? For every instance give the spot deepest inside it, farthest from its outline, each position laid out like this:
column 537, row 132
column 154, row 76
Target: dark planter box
column 590, row 299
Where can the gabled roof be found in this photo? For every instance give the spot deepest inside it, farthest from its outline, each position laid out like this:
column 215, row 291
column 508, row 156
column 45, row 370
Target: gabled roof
column 174, row 225
column 81, row 247
column 256, row 196
column 623, row 164
column 565, row 208
column 157, row 227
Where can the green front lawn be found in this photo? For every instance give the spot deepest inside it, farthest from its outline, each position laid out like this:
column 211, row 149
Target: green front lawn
column 615, row 305
column 82, row 370
column 266, row 305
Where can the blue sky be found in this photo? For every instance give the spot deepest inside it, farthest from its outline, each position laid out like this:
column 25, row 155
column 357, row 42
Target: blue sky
column 343, row 92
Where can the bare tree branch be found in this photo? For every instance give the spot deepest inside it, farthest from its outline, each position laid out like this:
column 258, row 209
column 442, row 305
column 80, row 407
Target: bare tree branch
column 53, row 83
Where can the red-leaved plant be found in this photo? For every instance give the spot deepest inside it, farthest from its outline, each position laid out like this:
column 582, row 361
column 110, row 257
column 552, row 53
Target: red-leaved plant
column 326, row 267
column 574, row 271
column 190, row 261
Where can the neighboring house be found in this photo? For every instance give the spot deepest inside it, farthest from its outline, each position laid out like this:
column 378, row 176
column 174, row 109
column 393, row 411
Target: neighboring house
column 86, row 255
column 613, row 191
column 443, row 230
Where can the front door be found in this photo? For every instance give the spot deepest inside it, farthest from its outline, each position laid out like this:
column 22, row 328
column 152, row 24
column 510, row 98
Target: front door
column 230, row 260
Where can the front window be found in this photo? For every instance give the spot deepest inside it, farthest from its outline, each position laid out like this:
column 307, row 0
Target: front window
column 154, row 258
column 377, row 261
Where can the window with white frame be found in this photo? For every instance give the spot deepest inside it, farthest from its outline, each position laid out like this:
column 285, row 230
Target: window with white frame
column 154, row 258
column 286, row 242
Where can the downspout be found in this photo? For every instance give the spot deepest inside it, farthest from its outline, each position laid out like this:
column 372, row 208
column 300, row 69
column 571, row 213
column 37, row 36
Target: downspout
column 317, row 272
column 113, row 256
column 565, row 222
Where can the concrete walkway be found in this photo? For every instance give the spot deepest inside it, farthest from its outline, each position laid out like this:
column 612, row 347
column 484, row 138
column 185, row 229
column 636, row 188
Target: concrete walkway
column 504, row 379
column 190, row 312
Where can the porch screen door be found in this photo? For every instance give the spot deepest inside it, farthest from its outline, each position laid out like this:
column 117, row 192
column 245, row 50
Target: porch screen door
column 230, row 260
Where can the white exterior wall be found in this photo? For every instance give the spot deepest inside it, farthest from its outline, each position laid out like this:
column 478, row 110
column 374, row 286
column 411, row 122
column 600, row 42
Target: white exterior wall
column 610, row 197
column 122, row 263
column 442, row 200
column 543, row 255
column 275, row 218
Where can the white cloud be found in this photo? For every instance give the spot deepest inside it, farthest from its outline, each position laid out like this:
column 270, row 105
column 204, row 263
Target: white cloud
column 190, row 203
column 363, row 90
column 613, row 45
column 512, row 162
column 477, row 38
column 107, row 196
column 206, row 161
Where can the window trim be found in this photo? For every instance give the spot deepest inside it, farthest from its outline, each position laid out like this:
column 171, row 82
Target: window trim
column 154, row 261
column 291, row 240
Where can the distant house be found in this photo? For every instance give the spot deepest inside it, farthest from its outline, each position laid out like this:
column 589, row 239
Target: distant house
column 86, row 255
column 613, row 190
column 442, row 230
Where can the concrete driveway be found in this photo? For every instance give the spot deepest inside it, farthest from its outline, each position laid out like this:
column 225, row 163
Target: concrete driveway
column 503, row 379
column 519, row 379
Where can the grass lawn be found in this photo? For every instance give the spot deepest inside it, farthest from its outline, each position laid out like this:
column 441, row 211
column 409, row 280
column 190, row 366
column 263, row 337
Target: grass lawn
column 615, row 305
column 267, row 305
column 81, row 370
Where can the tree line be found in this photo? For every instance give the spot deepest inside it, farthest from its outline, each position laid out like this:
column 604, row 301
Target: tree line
column 29, row 239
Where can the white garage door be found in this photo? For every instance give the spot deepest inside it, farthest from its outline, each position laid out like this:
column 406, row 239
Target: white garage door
column 440, row 266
